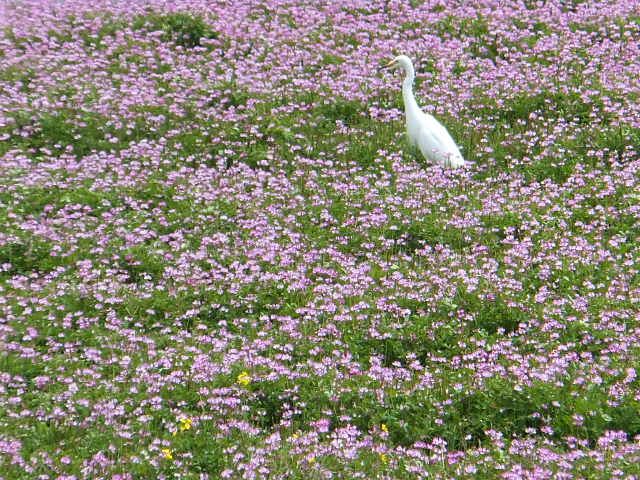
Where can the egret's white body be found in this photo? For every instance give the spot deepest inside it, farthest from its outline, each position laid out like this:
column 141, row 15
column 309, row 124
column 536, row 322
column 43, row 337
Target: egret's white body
column 423, row 130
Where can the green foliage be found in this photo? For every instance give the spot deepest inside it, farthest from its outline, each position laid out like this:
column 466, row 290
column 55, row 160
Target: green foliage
column 555, row 105
column 268, row 407
column 500, row 406
column 234, row 94
column 490, row 314
column 185, row 29
column 618, row 140
column 208, row 452
column 141, row 264
column 499, row 227
column 31, row 254
column 18, row 74
column 346, row 111
column 457, row 27
column 430, row 231
column 501, row 131
column 55, row 131
column 23, row 367
column 329, row 59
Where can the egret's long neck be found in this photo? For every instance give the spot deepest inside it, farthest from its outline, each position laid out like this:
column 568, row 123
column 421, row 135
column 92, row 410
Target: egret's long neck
column 410, row 104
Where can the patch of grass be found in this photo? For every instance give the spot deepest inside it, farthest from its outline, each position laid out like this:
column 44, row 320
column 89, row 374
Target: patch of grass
column 141, row 264
column 620, row 140
column 500, row 406
column 555, row 105
column 490, row 314
column 97, row 200
column 31, row 254
column 94, row 39
column 152, row 307
column 418, row 335
column 234, row 94
column 460, row 27
column 499, row 227
column 20, row 74
column 349, row 112
column 29, row 200
column 183, row 28
column 409, row 417
column 430, row 231
column 207, row 452
column 22, row 367
column 359, row 266
column 555, row 169
column 329, row 59
column 268, row 407
column 85, row 133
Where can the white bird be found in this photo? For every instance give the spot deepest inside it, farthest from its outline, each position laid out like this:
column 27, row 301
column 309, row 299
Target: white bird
column 424, row 131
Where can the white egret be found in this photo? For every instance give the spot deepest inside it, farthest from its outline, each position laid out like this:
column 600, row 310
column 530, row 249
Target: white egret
column 423, row 130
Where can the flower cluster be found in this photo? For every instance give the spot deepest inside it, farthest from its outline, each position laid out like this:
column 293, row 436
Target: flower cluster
column 219, row 258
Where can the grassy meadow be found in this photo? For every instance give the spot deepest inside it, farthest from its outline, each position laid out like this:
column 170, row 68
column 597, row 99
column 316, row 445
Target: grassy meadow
column 220, row 259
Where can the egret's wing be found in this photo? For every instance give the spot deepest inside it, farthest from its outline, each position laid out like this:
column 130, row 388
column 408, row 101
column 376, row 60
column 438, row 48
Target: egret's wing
column 436, row 144
column 439, row 131
column 429, row 145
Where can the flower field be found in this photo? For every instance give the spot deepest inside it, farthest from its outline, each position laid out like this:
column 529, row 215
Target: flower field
column 219, row 258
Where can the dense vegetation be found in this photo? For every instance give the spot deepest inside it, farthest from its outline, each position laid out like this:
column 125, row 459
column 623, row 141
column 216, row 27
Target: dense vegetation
column 218, row 258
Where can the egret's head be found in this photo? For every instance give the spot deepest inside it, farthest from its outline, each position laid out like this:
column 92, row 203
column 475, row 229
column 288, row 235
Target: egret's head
column 403, row 62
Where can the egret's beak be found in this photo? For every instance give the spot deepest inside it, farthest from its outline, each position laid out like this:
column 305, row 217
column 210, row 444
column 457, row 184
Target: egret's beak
column 388, row 65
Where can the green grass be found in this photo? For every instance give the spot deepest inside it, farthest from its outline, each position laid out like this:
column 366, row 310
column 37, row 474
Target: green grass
column 180, row 316
column 185, row 29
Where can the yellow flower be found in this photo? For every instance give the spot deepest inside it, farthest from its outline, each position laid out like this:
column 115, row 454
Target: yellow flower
column 244, row 379
column 384, row 428
column 383, row 458
column 295, row 436
column 185, row 424
column 167, row 453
